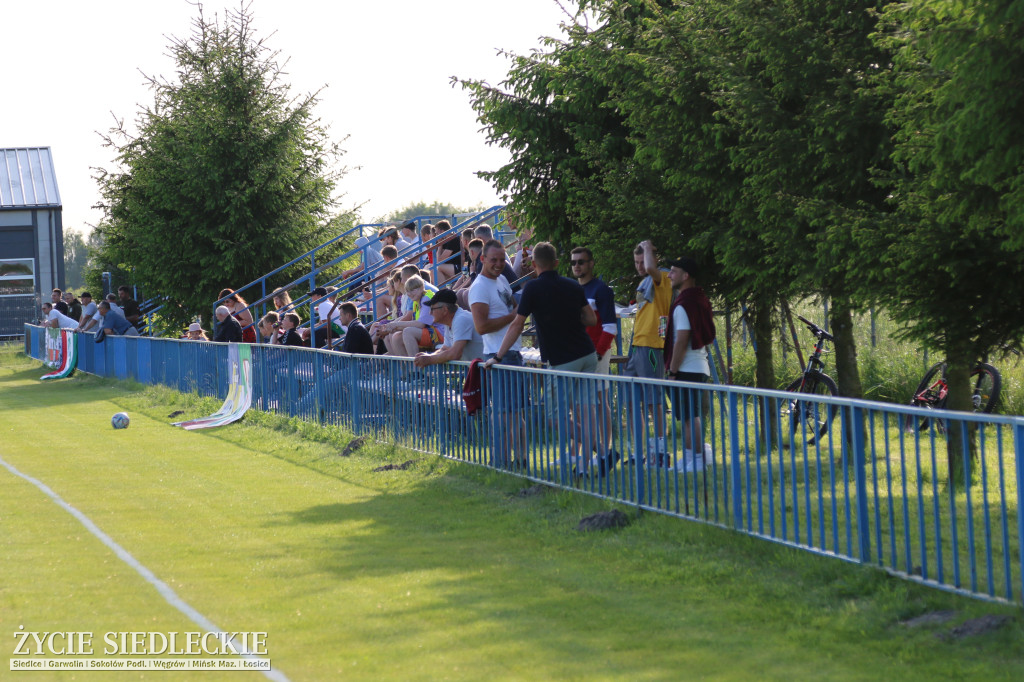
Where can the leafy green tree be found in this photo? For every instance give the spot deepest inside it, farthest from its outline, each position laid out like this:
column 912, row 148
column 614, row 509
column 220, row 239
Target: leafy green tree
column 739, row 132
column 436, row 208
column 98, row 263
column 793, row 81
column 228, row 177
column 612, row 141
column 953, row 258
column 76, row 257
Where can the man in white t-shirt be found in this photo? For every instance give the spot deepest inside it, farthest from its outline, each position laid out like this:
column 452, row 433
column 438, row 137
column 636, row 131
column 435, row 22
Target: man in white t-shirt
column 691, row 328
column 323, row 311
column 98, row 317
column 461, row 340
column 89, row 312
column 493, row 308
column 55, row 318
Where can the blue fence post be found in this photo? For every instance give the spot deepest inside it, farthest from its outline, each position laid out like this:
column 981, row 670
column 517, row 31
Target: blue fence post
column 861, row 483
column 735, row 465
column 1018, row 447
column 353, row 391
column 565, row 459
column 639, row 438
column 318, row 388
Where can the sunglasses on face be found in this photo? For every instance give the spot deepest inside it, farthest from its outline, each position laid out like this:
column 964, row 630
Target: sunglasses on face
column 582, row 261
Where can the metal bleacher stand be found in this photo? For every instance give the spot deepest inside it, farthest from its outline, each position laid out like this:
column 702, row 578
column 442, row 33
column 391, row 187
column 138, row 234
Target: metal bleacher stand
column 372, row 277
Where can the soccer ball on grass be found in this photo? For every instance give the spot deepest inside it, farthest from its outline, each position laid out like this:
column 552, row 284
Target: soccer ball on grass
column 119, row 421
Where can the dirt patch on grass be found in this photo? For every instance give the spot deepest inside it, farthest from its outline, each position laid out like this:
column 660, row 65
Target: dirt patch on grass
column 603, row 521
column 396, row 467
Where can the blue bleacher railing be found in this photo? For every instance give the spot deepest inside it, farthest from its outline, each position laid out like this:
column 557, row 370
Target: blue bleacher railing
column 870, row 486
column 260, row 296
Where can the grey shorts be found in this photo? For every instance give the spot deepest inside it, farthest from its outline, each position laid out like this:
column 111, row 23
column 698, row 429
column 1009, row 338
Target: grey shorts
column 646, row 363
column 582, row 390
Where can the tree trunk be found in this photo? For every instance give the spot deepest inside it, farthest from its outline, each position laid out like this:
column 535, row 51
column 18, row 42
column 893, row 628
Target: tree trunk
column 961, row 436
column 761, row 323
column 847, row 373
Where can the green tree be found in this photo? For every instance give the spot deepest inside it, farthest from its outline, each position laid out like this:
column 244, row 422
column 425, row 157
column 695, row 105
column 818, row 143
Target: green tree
column 76, row 257
column 793, row 80
column 228, row 177
column 435, row 208
column 739, row 132
column 952, row 261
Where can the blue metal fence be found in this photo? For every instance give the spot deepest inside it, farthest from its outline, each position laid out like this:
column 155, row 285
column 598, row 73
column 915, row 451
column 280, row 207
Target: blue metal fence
column 861, row 481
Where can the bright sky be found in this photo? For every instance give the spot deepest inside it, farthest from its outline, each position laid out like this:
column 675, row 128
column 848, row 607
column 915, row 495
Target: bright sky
column 69, row 66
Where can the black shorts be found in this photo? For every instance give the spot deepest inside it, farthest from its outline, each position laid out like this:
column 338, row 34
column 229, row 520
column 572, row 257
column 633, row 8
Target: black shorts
column 687, row 402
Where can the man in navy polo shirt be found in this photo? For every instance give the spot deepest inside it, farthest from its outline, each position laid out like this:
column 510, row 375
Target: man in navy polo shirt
column 561, row 314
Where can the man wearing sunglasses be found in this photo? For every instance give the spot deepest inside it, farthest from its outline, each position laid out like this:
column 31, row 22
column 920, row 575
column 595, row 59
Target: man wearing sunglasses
column 602, row 299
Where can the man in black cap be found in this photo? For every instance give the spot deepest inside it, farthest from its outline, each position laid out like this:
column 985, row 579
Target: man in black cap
column 690, row 329
column 461, row 339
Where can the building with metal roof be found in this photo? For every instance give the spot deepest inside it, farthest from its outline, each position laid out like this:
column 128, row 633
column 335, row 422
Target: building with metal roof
column 31, row 235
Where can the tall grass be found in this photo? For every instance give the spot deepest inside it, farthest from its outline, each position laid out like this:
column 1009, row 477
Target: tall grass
column 890, row 368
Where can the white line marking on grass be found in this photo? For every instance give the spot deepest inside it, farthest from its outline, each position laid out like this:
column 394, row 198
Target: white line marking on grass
column 169, row 595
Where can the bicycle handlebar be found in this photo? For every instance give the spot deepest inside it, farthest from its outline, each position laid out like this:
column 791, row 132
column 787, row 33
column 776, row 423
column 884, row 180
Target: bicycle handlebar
column 815, row 329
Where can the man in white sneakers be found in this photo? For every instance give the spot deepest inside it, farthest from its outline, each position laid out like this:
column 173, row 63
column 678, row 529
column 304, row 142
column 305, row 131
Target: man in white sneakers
column 690, row 329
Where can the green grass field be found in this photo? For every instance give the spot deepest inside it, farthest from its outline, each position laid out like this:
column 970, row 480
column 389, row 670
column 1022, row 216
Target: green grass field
column 438, row 571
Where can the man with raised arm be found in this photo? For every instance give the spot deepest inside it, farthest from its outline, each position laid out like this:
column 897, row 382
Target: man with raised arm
column 646, row 353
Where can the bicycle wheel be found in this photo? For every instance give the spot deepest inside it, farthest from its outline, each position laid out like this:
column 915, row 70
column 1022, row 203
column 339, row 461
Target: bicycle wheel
column 987, row 384
column 807, row 417
column 930, row 393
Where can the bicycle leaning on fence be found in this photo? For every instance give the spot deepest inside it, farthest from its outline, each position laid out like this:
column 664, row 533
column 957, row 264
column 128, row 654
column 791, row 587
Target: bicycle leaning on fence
column 807, row 415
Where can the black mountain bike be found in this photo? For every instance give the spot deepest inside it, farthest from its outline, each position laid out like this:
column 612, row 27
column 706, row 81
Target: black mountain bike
column 804, row 414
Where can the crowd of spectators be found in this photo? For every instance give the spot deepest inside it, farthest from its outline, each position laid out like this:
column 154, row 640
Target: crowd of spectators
column 481, row 307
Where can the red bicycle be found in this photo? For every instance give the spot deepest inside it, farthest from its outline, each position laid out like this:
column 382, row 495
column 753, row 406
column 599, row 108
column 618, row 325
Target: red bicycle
column 933, row 391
